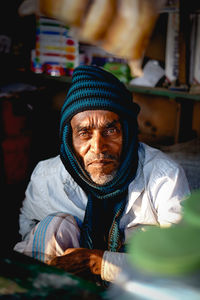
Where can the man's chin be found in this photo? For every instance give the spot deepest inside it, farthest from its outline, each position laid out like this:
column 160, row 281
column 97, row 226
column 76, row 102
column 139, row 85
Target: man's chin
column 102, row 178
column 102, row 173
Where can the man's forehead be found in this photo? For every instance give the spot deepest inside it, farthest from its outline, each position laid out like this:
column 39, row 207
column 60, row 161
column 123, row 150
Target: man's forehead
column 94, row 116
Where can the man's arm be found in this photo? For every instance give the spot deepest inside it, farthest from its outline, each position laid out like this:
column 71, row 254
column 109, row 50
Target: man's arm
column 30, row 212
column 169, row 193
column 87, row 263
column 79, row 261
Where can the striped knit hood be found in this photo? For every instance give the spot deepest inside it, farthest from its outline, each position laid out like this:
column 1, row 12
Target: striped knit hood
column 93, row 88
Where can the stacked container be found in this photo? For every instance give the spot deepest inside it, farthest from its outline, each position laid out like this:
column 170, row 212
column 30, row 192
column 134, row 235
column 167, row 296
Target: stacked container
column 56, row 53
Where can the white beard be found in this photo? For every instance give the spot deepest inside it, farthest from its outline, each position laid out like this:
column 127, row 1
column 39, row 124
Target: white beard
column 102, row 179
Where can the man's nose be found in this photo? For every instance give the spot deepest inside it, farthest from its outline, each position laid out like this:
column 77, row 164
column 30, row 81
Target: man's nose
column 97, row 143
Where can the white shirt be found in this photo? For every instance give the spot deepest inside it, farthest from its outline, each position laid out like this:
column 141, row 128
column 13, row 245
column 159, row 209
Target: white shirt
column 154, row 197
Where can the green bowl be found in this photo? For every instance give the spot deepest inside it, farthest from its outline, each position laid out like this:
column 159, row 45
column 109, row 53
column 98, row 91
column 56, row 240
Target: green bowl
column 166, row 251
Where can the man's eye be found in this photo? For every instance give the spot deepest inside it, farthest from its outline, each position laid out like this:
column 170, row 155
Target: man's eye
column 84, row 134
column 111, row 131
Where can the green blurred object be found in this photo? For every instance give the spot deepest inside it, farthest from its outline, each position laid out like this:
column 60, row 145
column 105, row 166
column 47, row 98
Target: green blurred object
column 192, row 209
column 22, row 277
column 120, row 70
column 171, row 251
column 166, row 251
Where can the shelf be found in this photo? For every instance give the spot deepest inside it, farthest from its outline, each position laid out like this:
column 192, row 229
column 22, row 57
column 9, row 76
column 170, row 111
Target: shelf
column 43, row 79
column 172, row 94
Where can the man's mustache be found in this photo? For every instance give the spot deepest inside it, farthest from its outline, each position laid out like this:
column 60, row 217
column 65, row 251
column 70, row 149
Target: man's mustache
column 101, row 156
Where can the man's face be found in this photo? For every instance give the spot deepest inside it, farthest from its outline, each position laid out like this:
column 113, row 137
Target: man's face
column 97, row 141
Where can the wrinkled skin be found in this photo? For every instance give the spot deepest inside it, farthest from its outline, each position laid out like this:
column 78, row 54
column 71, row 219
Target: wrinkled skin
column 82, row 262
column 97, row 142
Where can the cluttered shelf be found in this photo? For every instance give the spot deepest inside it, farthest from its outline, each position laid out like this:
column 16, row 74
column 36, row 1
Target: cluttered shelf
column 157, row 91
column 45, row 80
column 168, row 65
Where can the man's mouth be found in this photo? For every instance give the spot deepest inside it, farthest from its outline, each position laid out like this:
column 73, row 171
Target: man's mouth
column 100, row 162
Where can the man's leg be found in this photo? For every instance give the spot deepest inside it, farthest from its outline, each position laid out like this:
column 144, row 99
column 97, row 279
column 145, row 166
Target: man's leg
column 51, row 237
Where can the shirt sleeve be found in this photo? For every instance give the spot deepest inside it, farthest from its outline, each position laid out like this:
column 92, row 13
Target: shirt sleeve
column 33, row 206
column 168, row 192
column 113, row 263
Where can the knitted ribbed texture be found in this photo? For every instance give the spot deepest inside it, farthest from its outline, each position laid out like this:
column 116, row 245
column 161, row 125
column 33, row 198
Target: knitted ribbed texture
column 94, row 88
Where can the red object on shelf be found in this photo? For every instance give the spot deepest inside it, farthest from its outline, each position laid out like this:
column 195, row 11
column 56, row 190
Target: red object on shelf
column 16, row 158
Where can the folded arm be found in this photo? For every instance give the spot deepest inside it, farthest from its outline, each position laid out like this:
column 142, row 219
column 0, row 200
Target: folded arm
column 86, row 263
column 79, row 261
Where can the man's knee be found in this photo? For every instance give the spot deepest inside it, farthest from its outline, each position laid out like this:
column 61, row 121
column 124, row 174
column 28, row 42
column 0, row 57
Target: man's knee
column 51, row 237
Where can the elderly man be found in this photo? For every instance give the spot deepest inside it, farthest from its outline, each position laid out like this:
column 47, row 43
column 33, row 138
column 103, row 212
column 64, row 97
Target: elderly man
column 81, row 206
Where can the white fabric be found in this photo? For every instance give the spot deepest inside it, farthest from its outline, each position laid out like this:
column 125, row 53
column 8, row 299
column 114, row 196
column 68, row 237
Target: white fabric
column 51, row 237
column 112, row 264
column 154, row 197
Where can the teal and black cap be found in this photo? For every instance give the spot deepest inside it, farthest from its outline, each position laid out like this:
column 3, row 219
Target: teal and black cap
column 94, row 88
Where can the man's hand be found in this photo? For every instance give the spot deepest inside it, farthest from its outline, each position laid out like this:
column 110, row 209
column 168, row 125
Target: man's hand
column 80, row 261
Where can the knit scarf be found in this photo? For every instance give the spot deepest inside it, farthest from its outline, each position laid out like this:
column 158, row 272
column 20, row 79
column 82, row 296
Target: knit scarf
column 94, row 88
